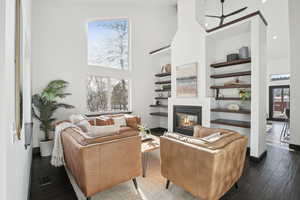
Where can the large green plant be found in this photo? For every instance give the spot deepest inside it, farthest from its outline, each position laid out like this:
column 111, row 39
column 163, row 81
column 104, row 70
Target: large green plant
column 45, row 104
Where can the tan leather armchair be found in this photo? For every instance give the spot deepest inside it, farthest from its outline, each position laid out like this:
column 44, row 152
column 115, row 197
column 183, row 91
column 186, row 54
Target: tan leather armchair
column 101, row 163
column 207, row 171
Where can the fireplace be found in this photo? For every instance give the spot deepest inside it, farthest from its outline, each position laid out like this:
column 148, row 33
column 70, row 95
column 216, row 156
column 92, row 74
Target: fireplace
column 185, row 118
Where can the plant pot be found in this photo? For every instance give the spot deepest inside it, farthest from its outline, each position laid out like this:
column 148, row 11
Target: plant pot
column 46, row 148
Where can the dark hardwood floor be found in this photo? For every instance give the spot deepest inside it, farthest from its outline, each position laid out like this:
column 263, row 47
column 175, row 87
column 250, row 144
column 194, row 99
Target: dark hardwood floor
column 275, row 178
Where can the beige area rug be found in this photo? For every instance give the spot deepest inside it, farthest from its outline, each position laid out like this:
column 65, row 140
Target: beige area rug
column 150, row 188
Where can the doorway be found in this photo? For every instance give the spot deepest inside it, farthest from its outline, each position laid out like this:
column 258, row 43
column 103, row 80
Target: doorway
column 279, row 102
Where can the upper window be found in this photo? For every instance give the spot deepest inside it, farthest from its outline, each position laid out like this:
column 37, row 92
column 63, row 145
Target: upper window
column 108, row 43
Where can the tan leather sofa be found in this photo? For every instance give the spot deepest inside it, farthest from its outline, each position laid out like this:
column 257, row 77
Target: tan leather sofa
column 207, row 171
column 103, row 162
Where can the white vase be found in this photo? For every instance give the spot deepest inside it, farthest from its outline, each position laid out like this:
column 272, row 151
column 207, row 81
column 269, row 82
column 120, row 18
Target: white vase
column 46, row 148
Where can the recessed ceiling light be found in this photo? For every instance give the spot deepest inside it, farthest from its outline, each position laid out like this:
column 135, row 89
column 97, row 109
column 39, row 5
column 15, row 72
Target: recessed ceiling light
column 275, row 37
column 264, row 1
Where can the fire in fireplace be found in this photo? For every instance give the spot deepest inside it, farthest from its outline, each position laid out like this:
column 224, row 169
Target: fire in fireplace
column 185, row 118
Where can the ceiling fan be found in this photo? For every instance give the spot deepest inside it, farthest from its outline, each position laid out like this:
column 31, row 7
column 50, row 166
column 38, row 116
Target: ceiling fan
column 223, row 17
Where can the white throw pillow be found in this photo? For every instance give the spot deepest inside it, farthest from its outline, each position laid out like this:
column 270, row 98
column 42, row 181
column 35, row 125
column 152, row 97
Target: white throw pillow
column 120, row 121
column 80, row 121
column 213, row 137
column 100, row 131
column 77, row 118
column 84, row 125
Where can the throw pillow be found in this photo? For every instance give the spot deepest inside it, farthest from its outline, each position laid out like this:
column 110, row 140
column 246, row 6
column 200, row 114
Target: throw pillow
column 77, row 118
column 80, row 121
column 84, row 125
column 120, row 121
column 213, row 137
column 101, row 131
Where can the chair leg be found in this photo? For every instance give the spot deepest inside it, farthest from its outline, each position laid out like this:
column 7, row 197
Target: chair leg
column 135, row 183
column 236, row 185
column 168, row 184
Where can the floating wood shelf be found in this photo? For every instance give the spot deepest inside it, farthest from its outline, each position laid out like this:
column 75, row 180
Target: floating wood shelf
column 162, row 49
column 163, row 90
column 231, row 99
column 241, row 111
column 161, row 97
column 231, row 63
column 231, row 86
column 235, row 123
column 161, row 114
column 163, row 74
column 163, row 82
column 216, row 76
column 159, row 106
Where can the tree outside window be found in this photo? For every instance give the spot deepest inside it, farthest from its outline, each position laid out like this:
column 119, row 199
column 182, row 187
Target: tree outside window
column 108, row 43
column 107, row 94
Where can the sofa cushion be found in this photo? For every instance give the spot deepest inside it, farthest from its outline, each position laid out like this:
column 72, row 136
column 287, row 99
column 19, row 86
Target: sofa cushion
column 84, row 139
column 81, row 121
column 101, row 131
column 119, row 121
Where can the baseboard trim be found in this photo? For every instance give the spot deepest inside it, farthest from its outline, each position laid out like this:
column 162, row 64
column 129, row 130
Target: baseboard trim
column 294, row 147
column 260, row 158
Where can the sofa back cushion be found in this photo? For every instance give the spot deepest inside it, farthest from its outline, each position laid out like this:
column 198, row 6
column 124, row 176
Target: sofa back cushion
column 84, row 139
column 101, row 131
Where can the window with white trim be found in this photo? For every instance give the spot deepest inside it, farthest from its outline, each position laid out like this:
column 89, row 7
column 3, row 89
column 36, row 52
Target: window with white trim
column 105, row 94
column 108, row 43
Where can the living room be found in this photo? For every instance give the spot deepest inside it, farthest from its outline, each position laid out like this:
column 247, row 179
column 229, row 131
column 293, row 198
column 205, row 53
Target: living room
column 126, row 99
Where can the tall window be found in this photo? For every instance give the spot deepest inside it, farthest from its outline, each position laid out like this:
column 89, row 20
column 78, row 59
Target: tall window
column 108, row 43
column 107, row 94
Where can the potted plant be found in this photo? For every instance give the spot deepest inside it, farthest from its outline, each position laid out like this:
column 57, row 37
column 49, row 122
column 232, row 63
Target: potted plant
column 244, row 94
column 43, row 107
column 144, row 131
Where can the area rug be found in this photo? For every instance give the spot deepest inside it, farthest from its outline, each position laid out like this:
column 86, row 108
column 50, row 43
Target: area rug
column 152, row 187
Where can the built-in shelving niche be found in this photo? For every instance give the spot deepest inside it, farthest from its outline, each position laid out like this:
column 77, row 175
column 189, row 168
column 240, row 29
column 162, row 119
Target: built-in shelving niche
column 251, row 71
column 219, row 44
column 161, row 56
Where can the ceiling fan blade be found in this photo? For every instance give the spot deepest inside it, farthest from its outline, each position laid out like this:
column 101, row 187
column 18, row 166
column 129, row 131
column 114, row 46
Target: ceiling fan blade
column 236, row 12
column 212, row 16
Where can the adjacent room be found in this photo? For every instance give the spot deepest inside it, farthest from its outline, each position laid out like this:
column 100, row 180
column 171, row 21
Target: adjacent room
column 149, row 99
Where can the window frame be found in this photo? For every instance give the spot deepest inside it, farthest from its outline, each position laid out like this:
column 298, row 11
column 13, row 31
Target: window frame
column 110, row 90
column 129, row 42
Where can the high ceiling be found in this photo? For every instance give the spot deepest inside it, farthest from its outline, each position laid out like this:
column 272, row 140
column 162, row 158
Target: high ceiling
column 275, row 12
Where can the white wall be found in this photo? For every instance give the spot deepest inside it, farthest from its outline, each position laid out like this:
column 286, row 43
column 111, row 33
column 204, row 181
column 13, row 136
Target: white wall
column 59, row 49
column 188, row 46
column 294, row 6
column 16, row 161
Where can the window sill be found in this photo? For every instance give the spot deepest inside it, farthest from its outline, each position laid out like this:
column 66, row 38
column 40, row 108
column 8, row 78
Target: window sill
column 108, row 113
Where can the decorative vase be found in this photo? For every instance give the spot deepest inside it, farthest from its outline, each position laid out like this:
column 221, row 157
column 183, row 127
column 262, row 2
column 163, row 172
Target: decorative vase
column 168, row 68
column 46, row 148
column 244, row 53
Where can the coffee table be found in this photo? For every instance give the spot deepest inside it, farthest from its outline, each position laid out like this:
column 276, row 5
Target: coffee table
column 147, row 147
